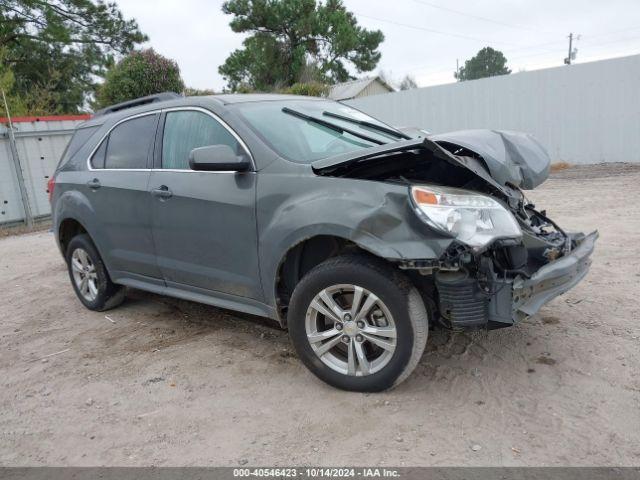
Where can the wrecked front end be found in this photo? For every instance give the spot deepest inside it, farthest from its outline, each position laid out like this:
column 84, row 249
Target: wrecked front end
column 505, row 258
column 505, row 283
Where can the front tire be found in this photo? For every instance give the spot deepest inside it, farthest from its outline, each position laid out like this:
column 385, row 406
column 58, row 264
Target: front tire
column 357, row 323
column 89, row 276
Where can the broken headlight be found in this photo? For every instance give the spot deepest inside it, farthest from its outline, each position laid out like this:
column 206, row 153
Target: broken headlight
column 471, row 218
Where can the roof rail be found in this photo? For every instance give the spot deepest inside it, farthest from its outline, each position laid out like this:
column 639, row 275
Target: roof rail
column 158, row 97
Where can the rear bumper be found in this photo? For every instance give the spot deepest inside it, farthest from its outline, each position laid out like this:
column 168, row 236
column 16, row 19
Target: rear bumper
column 554, row 279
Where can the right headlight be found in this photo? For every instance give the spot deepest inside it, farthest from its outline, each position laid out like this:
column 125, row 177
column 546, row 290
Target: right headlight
column 472, row 218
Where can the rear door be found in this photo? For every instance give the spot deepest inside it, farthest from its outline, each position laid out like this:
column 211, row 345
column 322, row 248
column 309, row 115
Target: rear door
column 203, row 223
column 118, row 191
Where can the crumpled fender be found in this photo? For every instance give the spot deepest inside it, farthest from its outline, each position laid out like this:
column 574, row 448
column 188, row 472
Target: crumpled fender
column 376, row 216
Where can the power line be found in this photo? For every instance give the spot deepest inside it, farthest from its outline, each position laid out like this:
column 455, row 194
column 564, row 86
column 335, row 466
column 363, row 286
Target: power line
column 588, row 43
column 477, row 39
column 585, row 42
column 467, row 37
column 430, row 30
column 451, row 34
column 537, row 66
column 442, row 69
column 603, row 34
column 477, row 17
column 597, row 45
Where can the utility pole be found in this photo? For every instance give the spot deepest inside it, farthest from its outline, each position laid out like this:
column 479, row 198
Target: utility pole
column 457, row 70
column 28, row 215
column 572, row 51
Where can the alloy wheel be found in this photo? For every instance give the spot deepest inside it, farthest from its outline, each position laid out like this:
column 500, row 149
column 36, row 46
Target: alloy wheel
column 351, row 330
column 84, row 274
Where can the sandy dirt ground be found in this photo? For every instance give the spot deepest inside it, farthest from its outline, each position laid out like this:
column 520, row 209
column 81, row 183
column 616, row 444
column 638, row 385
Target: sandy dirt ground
column 166, row 382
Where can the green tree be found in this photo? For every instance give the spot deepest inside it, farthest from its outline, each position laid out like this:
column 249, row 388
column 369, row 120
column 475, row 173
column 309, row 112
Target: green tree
column 35, row 102
column 137, row 75
column 7, row 81
column 57, row 48
column 287, row 36
column 487, row 63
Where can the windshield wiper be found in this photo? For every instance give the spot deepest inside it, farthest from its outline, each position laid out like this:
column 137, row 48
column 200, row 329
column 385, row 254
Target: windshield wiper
column 332, row 126
column 370, row 125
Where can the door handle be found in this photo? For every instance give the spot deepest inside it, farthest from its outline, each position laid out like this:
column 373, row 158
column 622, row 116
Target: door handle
column 94, row 184
column 162, row 192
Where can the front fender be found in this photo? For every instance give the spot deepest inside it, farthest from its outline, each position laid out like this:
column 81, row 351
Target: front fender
column 376, row 216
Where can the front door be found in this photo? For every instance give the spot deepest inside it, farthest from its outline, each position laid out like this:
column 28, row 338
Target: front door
column 203, row 223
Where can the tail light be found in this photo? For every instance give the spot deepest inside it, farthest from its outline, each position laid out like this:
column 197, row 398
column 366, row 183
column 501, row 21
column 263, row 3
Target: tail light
column 50, row 186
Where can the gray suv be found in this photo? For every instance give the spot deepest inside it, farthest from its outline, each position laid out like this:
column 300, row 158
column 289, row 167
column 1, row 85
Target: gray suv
column 354, row 235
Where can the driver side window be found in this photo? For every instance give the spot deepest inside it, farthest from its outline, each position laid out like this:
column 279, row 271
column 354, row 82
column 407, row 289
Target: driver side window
column 189, row 129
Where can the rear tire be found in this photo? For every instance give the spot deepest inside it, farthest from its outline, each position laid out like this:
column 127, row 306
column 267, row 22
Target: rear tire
column 369, row 348
column 89, row 276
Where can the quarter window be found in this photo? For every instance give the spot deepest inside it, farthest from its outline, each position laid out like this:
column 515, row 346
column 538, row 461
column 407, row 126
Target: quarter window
column 97, row 161
column 78, row 140
column 129, row 143
column 189, row 129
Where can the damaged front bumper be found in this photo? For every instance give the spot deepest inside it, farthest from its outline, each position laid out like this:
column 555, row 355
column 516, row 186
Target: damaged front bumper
column 465, row 302
column 553, row 279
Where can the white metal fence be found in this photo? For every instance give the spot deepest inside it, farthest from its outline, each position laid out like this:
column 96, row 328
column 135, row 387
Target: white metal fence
column 27, row 164
column 583, row 113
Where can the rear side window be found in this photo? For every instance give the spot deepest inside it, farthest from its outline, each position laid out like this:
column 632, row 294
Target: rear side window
column 189, row 129
column 79, row 138
column 128, row 144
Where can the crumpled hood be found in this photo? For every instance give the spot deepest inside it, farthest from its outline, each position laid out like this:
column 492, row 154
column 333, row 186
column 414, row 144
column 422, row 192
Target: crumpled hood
column 511, row 157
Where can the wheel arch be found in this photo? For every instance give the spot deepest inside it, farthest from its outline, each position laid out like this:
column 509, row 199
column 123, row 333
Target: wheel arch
column 67, row 229
column 304, row 255
column 73, row 214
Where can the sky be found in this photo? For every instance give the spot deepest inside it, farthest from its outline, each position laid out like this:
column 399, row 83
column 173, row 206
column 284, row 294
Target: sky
column 423, row 38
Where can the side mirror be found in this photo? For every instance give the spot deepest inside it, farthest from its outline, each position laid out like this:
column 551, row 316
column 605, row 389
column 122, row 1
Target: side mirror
column 218, row 158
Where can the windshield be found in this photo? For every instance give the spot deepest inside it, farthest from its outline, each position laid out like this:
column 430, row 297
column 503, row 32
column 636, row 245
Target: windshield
column 306, row 130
